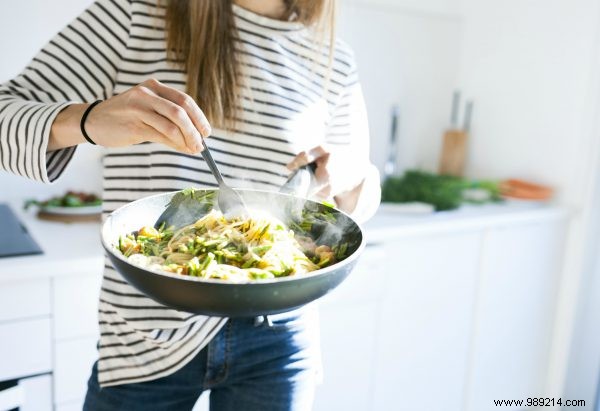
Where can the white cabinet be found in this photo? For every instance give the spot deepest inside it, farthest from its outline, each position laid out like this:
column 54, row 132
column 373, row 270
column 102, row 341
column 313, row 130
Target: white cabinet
column 425, row 322
column 408, row 336
column 25, row 348
column 512, row 334
column 37, row 336
column 24, row 299
column 348, row 345
column 348, row 318
column 37, row 393
column 366, row 283
column 75, row 309
column 448, row 317
column 73, row 365
column 75, row 306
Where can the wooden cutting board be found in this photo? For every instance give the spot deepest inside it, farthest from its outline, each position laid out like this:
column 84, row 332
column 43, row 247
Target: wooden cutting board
column 69, row 218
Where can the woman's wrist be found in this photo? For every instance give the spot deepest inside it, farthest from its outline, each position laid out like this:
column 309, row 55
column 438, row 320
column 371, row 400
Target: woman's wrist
column 65, row 131
column 82, row 122
column 348, row 200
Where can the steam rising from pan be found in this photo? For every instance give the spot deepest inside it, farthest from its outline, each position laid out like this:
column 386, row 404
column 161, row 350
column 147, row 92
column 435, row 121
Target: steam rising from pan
column 190, row 205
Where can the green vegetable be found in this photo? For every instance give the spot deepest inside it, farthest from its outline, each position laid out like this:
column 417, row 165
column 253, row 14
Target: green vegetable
column 70, row 199
column 328, row 204
column 443, row 192
column 259, row 274
column 251, row 261
column 340, row 251
column 193, row 267
column 261, row 250
column 323, row 262
column 210, row 257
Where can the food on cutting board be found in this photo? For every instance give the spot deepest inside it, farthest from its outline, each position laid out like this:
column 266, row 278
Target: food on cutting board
column 70, row 199
column 235, row 249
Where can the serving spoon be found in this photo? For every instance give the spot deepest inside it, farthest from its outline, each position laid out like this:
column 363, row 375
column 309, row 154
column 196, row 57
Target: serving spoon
column 230, row 202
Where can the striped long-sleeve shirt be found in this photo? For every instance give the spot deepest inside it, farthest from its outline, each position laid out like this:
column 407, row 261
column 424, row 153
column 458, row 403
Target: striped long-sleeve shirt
column 289, row 103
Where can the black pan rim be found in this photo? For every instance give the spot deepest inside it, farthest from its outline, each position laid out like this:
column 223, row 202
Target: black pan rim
column 258, row 283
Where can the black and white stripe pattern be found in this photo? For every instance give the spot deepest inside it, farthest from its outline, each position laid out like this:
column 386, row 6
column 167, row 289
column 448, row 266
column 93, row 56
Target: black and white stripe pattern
column 289, row 104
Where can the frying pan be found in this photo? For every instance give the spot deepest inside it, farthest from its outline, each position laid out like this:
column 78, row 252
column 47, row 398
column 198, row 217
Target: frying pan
column 217, row 297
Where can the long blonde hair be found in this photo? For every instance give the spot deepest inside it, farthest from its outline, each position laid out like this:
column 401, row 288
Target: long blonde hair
column 201, row 36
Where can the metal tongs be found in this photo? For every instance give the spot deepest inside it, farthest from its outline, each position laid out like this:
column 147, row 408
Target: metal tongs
column 301, row 183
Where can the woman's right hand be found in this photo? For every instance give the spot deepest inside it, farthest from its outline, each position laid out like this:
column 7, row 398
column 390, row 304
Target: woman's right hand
column 150, row 111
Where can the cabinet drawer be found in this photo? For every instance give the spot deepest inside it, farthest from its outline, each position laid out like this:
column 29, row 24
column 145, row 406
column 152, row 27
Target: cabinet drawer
column 24, row 299
column 76, row 306
column 24, row 348
column 74, row 360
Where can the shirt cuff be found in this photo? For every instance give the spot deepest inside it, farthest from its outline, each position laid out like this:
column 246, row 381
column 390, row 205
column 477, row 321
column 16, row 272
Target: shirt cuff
column 49, row 165
column 370, row 196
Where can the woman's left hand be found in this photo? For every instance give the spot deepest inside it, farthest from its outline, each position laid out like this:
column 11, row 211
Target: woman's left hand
column 334, row 176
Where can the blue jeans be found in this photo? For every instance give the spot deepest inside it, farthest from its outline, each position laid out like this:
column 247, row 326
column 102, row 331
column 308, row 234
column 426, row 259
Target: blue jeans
column 267, row 365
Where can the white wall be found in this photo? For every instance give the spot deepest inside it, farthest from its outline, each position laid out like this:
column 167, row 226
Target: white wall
column 528, row 66
column 407, row 54
column 582, row 379
column 25, row 26
column 583, row 366
column 414, row 7
column 532, row 68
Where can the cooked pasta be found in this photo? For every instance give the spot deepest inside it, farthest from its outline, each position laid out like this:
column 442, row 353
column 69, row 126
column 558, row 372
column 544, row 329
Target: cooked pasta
column 236, row 249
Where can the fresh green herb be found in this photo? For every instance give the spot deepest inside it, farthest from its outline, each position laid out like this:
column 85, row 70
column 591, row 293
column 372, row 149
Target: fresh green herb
column 443, row 192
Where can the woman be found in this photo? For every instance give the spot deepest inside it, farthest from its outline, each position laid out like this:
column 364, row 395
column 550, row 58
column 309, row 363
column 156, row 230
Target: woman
column 264, row 81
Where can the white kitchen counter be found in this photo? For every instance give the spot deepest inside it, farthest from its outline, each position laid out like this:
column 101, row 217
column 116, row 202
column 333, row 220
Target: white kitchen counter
column 389, row 224
column 69, row 247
